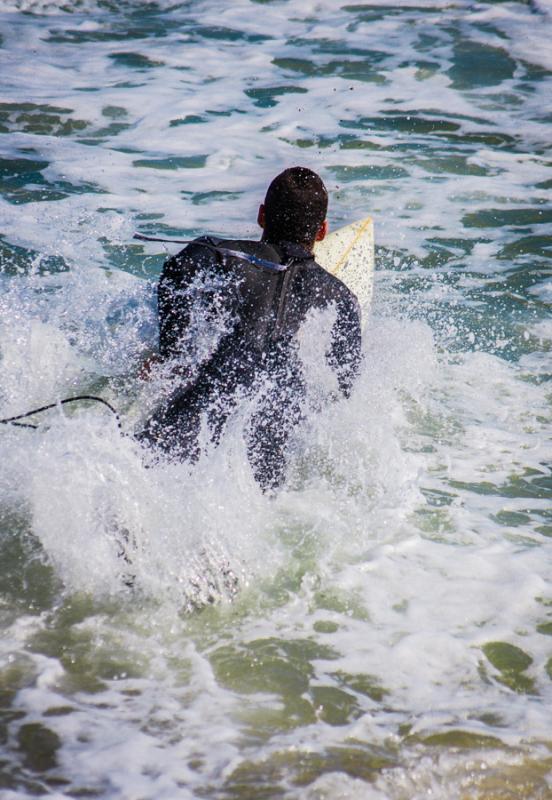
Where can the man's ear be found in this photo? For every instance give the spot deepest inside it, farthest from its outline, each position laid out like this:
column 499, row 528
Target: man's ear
column 261, row 216
column 322, row 231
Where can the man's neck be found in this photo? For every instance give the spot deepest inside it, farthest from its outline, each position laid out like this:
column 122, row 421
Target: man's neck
column 296, row 248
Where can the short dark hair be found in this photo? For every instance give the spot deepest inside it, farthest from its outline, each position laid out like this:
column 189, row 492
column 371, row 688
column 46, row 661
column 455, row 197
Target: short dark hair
column 295, row 206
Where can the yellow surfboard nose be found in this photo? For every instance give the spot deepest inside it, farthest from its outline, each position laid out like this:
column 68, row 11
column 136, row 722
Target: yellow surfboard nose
column 348, row 253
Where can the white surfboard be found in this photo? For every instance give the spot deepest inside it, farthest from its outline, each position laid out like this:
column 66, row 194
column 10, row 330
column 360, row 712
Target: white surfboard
column 348, row 253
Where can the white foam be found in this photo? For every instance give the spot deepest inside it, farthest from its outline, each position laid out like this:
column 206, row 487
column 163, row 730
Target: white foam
column 411, row 532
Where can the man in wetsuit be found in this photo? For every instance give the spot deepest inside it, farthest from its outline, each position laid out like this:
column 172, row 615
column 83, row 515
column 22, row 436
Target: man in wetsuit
column 253, row 297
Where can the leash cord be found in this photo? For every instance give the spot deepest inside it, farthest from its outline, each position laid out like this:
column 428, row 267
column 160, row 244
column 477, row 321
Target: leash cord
column 15, row 420
column 218, row 251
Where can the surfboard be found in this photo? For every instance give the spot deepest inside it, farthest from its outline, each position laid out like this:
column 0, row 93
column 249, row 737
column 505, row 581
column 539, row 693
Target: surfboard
column 348, row 253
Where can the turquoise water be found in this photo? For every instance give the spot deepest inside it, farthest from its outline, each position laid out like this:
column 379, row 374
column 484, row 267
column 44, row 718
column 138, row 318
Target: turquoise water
column 382, row 628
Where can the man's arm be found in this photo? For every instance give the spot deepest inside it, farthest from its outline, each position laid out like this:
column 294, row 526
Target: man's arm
column 171, row 306
column 174, row 295
column 344, row 354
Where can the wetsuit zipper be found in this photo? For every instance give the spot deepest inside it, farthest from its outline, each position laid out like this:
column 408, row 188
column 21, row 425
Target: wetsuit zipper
column 289, row 274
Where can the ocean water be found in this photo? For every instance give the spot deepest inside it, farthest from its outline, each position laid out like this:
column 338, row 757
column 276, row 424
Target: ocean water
column 382, row 628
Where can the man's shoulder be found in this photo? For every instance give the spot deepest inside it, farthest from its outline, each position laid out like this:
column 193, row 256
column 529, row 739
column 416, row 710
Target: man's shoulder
column 252, row 247
column 334, row 287
column 206, row 247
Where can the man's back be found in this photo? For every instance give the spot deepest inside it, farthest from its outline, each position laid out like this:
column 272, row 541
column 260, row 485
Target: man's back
column 258, row 310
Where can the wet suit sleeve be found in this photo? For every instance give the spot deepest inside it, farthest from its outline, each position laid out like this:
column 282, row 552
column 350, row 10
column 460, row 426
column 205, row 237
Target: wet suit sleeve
column 172, row 305
column 344, row 354
column 175, row 295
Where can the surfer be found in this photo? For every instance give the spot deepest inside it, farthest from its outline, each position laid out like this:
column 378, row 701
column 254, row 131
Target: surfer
column 254, row 296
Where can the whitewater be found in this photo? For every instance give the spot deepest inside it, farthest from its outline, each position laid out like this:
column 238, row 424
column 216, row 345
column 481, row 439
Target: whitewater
column 381, row 628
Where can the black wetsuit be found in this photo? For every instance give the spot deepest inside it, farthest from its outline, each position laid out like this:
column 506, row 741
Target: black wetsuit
column 257, row 310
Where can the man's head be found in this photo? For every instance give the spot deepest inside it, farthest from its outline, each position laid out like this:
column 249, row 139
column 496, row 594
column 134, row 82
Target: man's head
column 295, row 208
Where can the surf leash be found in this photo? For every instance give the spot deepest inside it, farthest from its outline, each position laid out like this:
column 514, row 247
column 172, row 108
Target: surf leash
column 65, row 401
